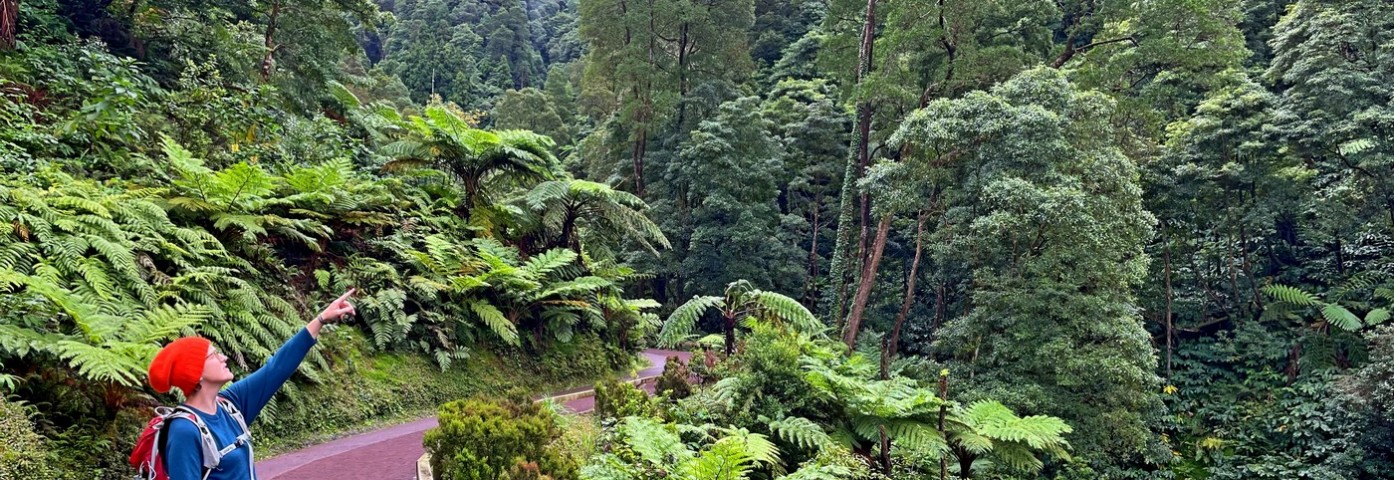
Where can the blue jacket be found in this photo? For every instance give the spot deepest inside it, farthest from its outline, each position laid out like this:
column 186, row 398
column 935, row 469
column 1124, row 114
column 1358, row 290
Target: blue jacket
column 183, row 455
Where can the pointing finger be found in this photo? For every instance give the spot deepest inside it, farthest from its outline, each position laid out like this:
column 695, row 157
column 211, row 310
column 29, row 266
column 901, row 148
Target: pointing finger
column 345, row 296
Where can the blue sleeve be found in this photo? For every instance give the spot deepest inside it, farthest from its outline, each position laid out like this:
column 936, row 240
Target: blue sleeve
column 183, row 453
column 252, row 393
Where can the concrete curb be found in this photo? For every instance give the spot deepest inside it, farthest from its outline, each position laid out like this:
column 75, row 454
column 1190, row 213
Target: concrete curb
column 423, row 467
column 591, row 392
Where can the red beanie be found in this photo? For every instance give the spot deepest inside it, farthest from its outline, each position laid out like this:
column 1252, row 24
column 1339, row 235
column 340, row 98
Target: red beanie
column 179, row 364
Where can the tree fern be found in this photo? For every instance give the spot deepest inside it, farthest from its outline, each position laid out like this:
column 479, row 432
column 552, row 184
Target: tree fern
column 802, row 432
column 1332, row 313
column 683, row 320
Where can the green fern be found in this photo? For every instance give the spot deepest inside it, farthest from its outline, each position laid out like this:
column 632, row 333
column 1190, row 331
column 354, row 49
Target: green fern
column 683, row 320
column 1332, row 313
column 802, row 432
column 1291, row 295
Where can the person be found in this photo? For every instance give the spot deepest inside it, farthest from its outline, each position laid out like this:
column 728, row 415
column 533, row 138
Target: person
column 196, row 367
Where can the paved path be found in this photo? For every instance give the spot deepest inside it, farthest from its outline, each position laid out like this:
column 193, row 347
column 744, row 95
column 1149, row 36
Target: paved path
column 391, row 453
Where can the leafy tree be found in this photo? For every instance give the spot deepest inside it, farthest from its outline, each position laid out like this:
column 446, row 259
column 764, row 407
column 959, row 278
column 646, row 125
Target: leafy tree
column 1051, row 218
column 532, row 109
column 1329, row 61
column 727, row 184
column 431, row 55
column 644, row 61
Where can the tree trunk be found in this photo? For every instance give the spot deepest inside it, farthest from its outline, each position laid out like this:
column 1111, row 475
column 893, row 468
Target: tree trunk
column 683, row 42
column 855, row 169
column 885, row 452
column 813, row 253
column 909, row 286
column 9, row 24
column 864, row 112
column 1170, row 327
column 268, row 62
column 943, row 412
column 730, row 335
column 868, row 279
column 640, row 144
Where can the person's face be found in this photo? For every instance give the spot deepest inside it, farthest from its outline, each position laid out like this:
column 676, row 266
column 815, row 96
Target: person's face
column 215, row 367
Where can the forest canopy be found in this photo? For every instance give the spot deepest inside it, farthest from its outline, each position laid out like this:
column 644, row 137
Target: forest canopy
column 1156, row 238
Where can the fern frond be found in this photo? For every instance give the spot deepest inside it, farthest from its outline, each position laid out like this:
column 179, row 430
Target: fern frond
column 1340, row 317
column 801, row 432
column 1291, row 295
column 544, row 263
column 494, row 319
column 683, row 320
column 1376, row 316
column 788, row 310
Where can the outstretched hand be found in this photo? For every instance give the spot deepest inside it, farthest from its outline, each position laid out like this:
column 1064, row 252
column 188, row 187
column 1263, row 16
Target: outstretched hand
column 338, row 310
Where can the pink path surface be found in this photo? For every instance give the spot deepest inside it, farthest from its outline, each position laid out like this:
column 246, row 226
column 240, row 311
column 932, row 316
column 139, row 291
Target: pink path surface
column 390, row 453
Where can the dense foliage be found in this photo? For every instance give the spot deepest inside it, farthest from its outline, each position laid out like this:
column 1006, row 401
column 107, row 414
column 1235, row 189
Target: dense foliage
column 482, row 438
column 1168, row 225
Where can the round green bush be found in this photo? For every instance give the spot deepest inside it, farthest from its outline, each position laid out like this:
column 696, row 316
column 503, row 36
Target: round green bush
column 483, row 438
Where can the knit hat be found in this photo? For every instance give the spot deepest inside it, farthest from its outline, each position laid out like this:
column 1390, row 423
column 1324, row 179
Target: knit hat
column 179, row 364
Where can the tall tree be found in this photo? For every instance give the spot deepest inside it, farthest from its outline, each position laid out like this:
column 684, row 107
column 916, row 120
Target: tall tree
column 731, row 170
column 647, row 55
column 1047, row 214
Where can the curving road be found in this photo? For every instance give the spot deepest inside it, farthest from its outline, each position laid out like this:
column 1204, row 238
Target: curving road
column 391, row 453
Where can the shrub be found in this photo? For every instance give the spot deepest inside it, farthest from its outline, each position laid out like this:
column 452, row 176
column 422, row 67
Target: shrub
column 615, row 399
column 673, row 383
column 483, row 438
column 22, row 453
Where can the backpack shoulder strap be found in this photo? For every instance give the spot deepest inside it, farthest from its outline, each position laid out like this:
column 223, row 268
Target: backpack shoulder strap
column 236, row 415
column 212, row 456
column 244, row 437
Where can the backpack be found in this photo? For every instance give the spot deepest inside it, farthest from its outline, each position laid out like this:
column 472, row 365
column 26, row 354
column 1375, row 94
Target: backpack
column 147, row 457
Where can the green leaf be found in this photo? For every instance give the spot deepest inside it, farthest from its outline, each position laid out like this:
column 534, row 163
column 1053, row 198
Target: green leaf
column 1291, row 295
column 496, row 321
column 1377, row 316
column 683, row 320
column 1340, row 317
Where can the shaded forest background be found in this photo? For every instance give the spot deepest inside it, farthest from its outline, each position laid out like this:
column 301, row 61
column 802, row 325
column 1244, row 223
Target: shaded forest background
column 1169, row 223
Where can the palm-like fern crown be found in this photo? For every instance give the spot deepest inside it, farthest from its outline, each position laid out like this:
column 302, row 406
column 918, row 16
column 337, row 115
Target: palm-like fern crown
column 502, row 290
column 741, row 300
column 610, row 216
column 988, row 428
column 473, row 156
